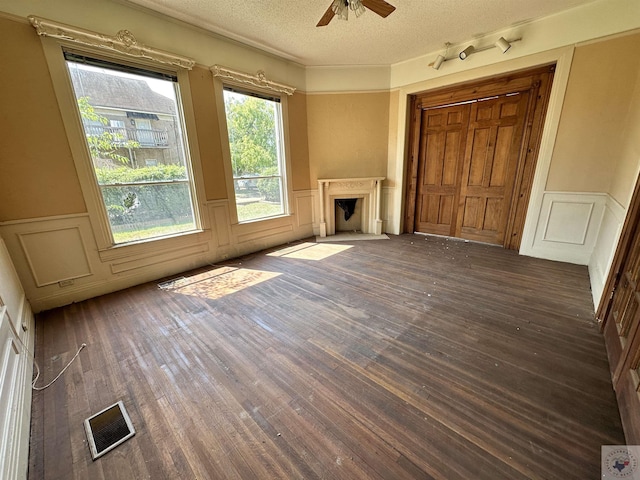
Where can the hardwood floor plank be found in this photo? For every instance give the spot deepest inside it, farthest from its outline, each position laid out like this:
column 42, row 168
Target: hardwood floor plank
column 415, row 357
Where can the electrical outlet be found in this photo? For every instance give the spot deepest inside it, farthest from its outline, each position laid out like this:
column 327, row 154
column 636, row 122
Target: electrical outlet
column 66, row 283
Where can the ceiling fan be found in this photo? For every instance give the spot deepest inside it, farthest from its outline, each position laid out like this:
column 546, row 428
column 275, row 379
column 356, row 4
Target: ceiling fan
column 341, row 9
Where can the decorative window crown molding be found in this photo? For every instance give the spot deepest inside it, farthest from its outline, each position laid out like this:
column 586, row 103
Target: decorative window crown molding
column 122, row 42
column 258, row 80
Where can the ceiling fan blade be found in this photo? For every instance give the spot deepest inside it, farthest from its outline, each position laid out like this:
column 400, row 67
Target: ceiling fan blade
column 326, row 18
column 380, row 7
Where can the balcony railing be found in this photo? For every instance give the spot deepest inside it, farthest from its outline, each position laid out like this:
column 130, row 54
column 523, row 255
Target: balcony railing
column 146, row 138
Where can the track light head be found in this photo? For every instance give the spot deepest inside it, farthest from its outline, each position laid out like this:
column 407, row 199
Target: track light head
column 466, row 52
column 503, row 45
column 438, row 62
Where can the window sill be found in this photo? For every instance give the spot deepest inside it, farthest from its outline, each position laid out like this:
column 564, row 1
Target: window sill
column 264, row 219
column 154, row 245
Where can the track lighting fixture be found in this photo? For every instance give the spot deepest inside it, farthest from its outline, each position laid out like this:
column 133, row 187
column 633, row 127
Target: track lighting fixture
column 438, row 62
column 466, row 52
column 503, row 45
column 440, row 59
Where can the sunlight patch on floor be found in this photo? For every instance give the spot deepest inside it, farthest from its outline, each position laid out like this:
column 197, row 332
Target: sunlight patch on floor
column 310, row 251
column 220, row 282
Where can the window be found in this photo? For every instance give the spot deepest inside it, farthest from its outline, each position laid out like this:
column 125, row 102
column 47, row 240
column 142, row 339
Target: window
column 254, row 123
column 142, row 169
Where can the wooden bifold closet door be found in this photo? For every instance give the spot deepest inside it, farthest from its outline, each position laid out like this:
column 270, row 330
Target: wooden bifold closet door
column 442, row 142
column 472, row 161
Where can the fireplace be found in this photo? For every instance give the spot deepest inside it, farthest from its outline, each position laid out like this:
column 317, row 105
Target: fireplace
column 366, row 190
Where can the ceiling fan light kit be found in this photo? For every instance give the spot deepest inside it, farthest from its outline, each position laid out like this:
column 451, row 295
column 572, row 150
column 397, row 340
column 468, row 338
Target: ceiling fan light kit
column 340, row 9
column 503, row 44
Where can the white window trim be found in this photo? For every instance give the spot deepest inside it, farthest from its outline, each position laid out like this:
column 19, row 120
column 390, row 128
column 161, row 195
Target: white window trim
column 259, row 84
column 139, row 55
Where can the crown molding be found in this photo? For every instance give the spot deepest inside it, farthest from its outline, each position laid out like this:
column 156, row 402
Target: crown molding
column 258, row 80
column 123, row 42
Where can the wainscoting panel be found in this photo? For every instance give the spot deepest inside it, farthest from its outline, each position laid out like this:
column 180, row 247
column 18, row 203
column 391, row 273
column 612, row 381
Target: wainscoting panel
column 389, row 210
column 219, row 215
column 605, row 247
column 304, row 209
column 166, row 256
column 568, row 226
column 268, row 229
column 55, row 255
column 58, row 260
column 568, row 222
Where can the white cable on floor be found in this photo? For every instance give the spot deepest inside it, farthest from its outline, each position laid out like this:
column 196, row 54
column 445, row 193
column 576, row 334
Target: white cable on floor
column 33, row 383
column 35, row 364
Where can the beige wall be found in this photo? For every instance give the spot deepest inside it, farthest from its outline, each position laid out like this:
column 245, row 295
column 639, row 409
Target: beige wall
column 628, row 165
column 598, row 100
column 348, row 135
column 37, row 174
column 208, row 128
column 298, row 141
column 394, row 112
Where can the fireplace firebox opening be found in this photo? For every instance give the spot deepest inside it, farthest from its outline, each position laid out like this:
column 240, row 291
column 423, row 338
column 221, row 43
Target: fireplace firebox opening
column 348, row 214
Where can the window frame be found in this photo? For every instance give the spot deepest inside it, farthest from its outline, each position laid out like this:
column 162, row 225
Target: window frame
column 54, row 49
column 240, row 87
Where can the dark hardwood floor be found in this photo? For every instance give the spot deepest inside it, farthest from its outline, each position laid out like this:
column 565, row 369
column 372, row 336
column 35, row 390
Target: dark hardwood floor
column 409, row 358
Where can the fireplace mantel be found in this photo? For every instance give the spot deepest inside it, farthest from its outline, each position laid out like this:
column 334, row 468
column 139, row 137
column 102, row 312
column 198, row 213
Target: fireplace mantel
column 367, row 188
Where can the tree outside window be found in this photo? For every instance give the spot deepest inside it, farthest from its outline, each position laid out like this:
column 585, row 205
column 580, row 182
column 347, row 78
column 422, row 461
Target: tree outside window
column 133, row 130
column 254, row 125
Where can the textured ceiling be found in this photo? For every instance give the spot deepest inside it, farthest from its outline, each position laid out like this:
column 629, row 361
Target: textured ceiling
column 287, row 27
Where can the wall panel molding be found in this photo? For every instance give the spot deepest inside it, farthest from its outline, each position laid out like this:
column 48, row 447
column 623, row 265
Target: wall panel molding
column 389, row 210
column 55, row 255
column 568, row 222
column 78, row 269
column 9, row 223
column 304, row 208
column 168, row 255
column 568, row 226
column 605, row 246
column 266, row 230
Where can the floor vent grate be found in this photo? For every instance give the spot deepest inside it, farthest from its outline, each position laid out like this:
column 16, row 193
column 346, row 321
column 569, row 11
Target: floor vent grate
column 108, row 429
